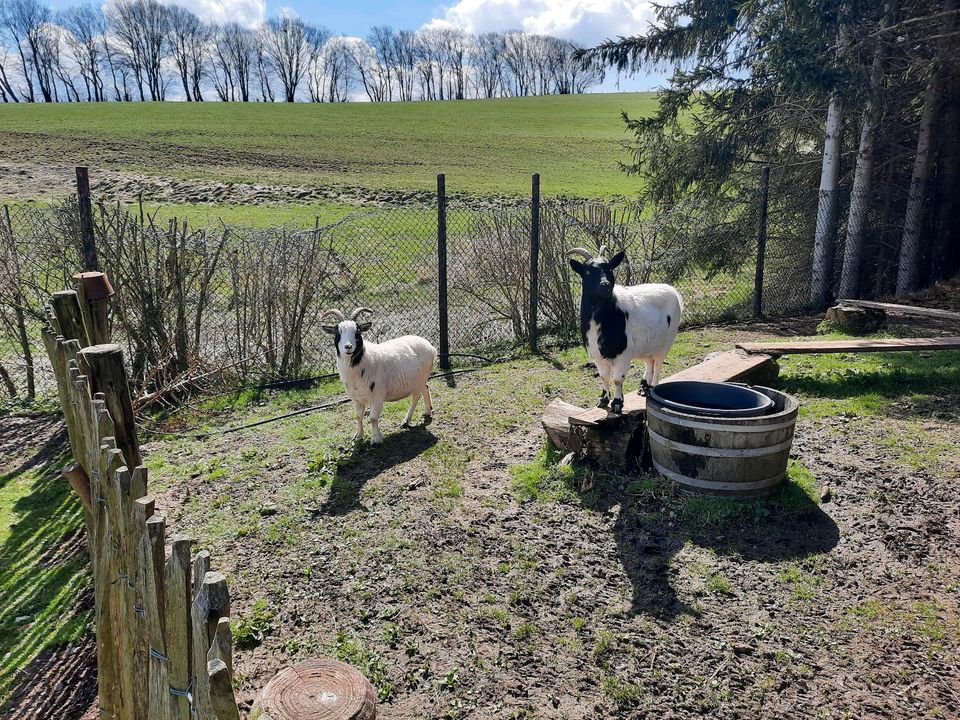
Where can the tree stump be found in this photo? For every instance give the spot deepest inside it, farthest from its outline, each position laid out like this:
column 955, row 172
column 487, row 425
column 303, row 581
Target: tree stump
column 316, row 690
column 856, row 320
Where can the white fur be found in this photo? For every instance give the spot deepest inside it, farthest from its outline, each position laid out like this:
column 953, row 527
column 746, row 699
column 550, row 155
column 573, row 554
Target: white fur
column 396, row 369
column 649, row 335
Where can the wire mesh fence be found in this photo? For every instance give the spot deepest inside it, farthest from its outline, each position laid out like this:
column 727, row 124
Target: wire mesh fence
column 241, row 304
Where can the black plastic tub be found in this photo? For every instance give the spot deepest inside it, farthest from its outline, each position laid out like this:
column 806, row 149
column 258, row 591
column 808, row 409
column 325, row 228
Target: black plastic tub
column 697, row 397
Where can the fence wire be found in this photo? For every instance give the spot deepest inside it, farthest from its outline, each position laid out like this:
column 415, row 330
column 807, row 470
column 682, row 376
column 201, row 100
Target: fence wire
column 243, row 304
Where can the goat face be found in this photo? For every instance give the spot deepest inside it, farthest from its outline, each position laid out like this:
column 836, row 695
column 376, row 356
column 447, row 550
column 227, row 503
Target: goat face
column 597, row 275
column 348, row 338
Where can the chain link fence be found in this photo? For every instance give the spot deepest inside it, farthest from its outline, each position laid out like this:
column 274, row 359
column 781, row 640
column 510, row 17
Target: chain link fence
column 229, row 304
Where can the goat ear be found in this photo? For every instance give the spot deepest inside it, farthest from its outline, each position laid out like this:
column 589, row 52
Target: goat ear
column 616, row 259
column 332, row 329
column 577, row 267
column 364, row 326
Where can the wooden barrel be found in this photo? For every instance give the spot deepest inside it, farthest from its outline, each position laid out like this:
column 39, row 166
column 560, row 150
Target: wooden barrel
column 723, row 456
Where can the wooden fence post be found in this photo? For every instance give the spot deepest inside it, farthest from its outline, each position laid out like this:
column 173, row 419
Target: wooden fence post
column 534, row 259
column 66, row 308
column 103, row 365
column 761, row 242
column 87, row 241
column 442, row 270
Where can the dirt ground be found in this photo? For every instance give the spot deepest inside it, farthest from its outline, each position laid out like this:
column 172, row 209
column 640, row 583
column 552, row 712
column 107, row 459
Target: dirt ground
column 461, row 597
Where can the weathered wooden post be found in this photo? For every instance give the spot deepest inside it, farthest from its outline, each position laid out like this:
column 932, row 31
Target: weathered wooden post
column 87, row 241
column 94, row 292
column 761, row 242
column 316, row 690
column 442, row 270
column 534, row 259
column 103, row 366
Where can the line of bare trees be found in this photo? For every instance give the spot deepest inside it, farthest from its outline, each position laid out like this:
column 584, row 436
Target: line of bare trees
column 138, row 50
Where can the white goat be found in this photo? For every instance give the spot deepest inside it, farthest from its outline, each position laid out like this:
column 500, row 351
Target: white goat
column 620, row 323
column 374, row 373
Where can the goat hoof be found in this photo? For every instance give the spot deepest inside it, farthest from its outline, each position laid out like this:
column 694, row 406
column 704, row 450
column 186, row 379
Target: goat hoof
column 603, row 401
column 427, row 419
column 617, row 406
column 644, row 389
column 405, row 425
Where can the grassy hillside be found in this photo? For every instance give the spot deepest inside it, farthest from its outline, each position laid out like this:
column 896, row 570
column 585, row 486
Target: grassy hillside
column 484, row 146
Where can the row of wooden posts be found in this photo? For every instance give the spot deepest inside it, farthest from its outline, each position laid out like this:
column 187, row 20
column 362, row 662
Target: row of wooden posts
column 162, row 623
column 162, row 619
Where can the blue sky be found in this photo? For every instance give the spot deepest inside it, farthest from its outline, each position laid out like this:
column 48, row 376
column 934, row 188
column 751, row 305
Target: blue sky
column 584, row 21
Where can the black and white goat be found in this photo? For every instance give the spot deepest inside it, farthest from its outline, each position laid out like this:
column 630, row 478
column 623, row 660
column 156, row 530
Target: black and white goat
column 620, row 324
column 375, row 373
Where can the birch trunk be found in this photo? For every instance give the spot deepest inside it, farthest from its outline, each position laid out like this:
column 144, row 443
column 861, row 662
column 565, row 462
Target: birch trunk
column 863, row 176
column 823, row 245
column 911, row 244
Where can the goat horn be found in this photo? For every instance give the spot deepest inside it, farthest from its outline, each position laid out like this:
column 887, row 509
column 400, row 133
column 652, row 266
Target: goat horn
column 581, row 251
column 336, row 313
column 356, row 313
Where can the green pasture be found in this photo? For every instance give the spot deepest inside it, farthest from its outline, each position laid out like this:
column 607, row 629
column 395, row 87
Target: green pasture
column 485, row 147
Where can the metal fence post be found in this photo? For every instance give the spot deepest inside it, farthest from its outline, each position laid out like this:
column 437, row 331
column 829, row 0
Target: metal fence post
column 761, row 242
column 442, row 270
column 534, row 258
column 87, row 242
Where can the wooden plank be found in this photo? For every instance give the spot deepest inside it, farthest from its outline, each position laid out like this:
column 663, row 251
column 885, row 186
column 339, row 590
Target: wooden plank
column 727, row 366
column 902, row 309
column 839, row 346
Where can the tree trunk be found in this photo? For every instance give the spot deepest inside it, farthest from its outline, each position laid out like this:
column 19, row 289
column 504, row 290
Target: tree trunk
column 946, row 258
column 863, row 176
column 911, row 245
column 823, row 246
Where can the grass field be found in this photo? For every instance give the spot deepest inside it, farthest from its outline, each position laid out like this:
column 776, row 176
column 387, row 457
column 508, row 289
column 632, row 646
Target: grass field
column 486, row 147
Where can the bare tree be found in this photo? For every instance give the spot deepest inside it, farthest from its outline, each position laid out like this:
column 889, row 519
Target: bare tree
column 187, row 37
column 487, row 59
column 331, row 73
column 24, row 21
column 374, row 77
column 290, row 43
column 86, row 27
column 264, row 67
column 7, row 93
column 142, row 28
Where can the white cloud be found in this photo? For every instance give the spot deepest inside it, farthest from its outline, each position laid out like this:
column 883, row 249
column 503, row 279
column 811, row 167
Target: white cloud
column 585, row 21
column 249, row 13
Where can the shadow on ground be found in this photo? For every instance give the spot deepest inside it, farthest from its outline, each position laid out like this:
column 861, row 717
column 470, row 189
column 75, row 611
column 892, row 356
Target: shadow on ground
column 48, row 669
column 367, row 462
column 654, row 521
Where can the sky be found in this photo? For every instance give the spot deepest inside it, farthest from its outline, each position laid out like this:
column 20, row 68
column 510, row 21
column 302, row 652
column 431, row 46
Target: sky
column 584, row 21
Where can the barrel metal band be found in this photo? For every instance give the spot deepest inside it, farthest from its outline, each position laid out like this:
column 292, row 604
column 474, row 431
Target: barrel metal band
column 717, row 485
column 720, row 452
column 700, row 425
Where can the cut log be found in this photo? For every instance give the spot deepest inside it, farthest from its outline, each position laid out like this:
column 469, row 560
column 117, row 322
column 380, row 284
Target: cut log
column 316, row 690
column 841, row 346
column 895, row 309
column 856, row 320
